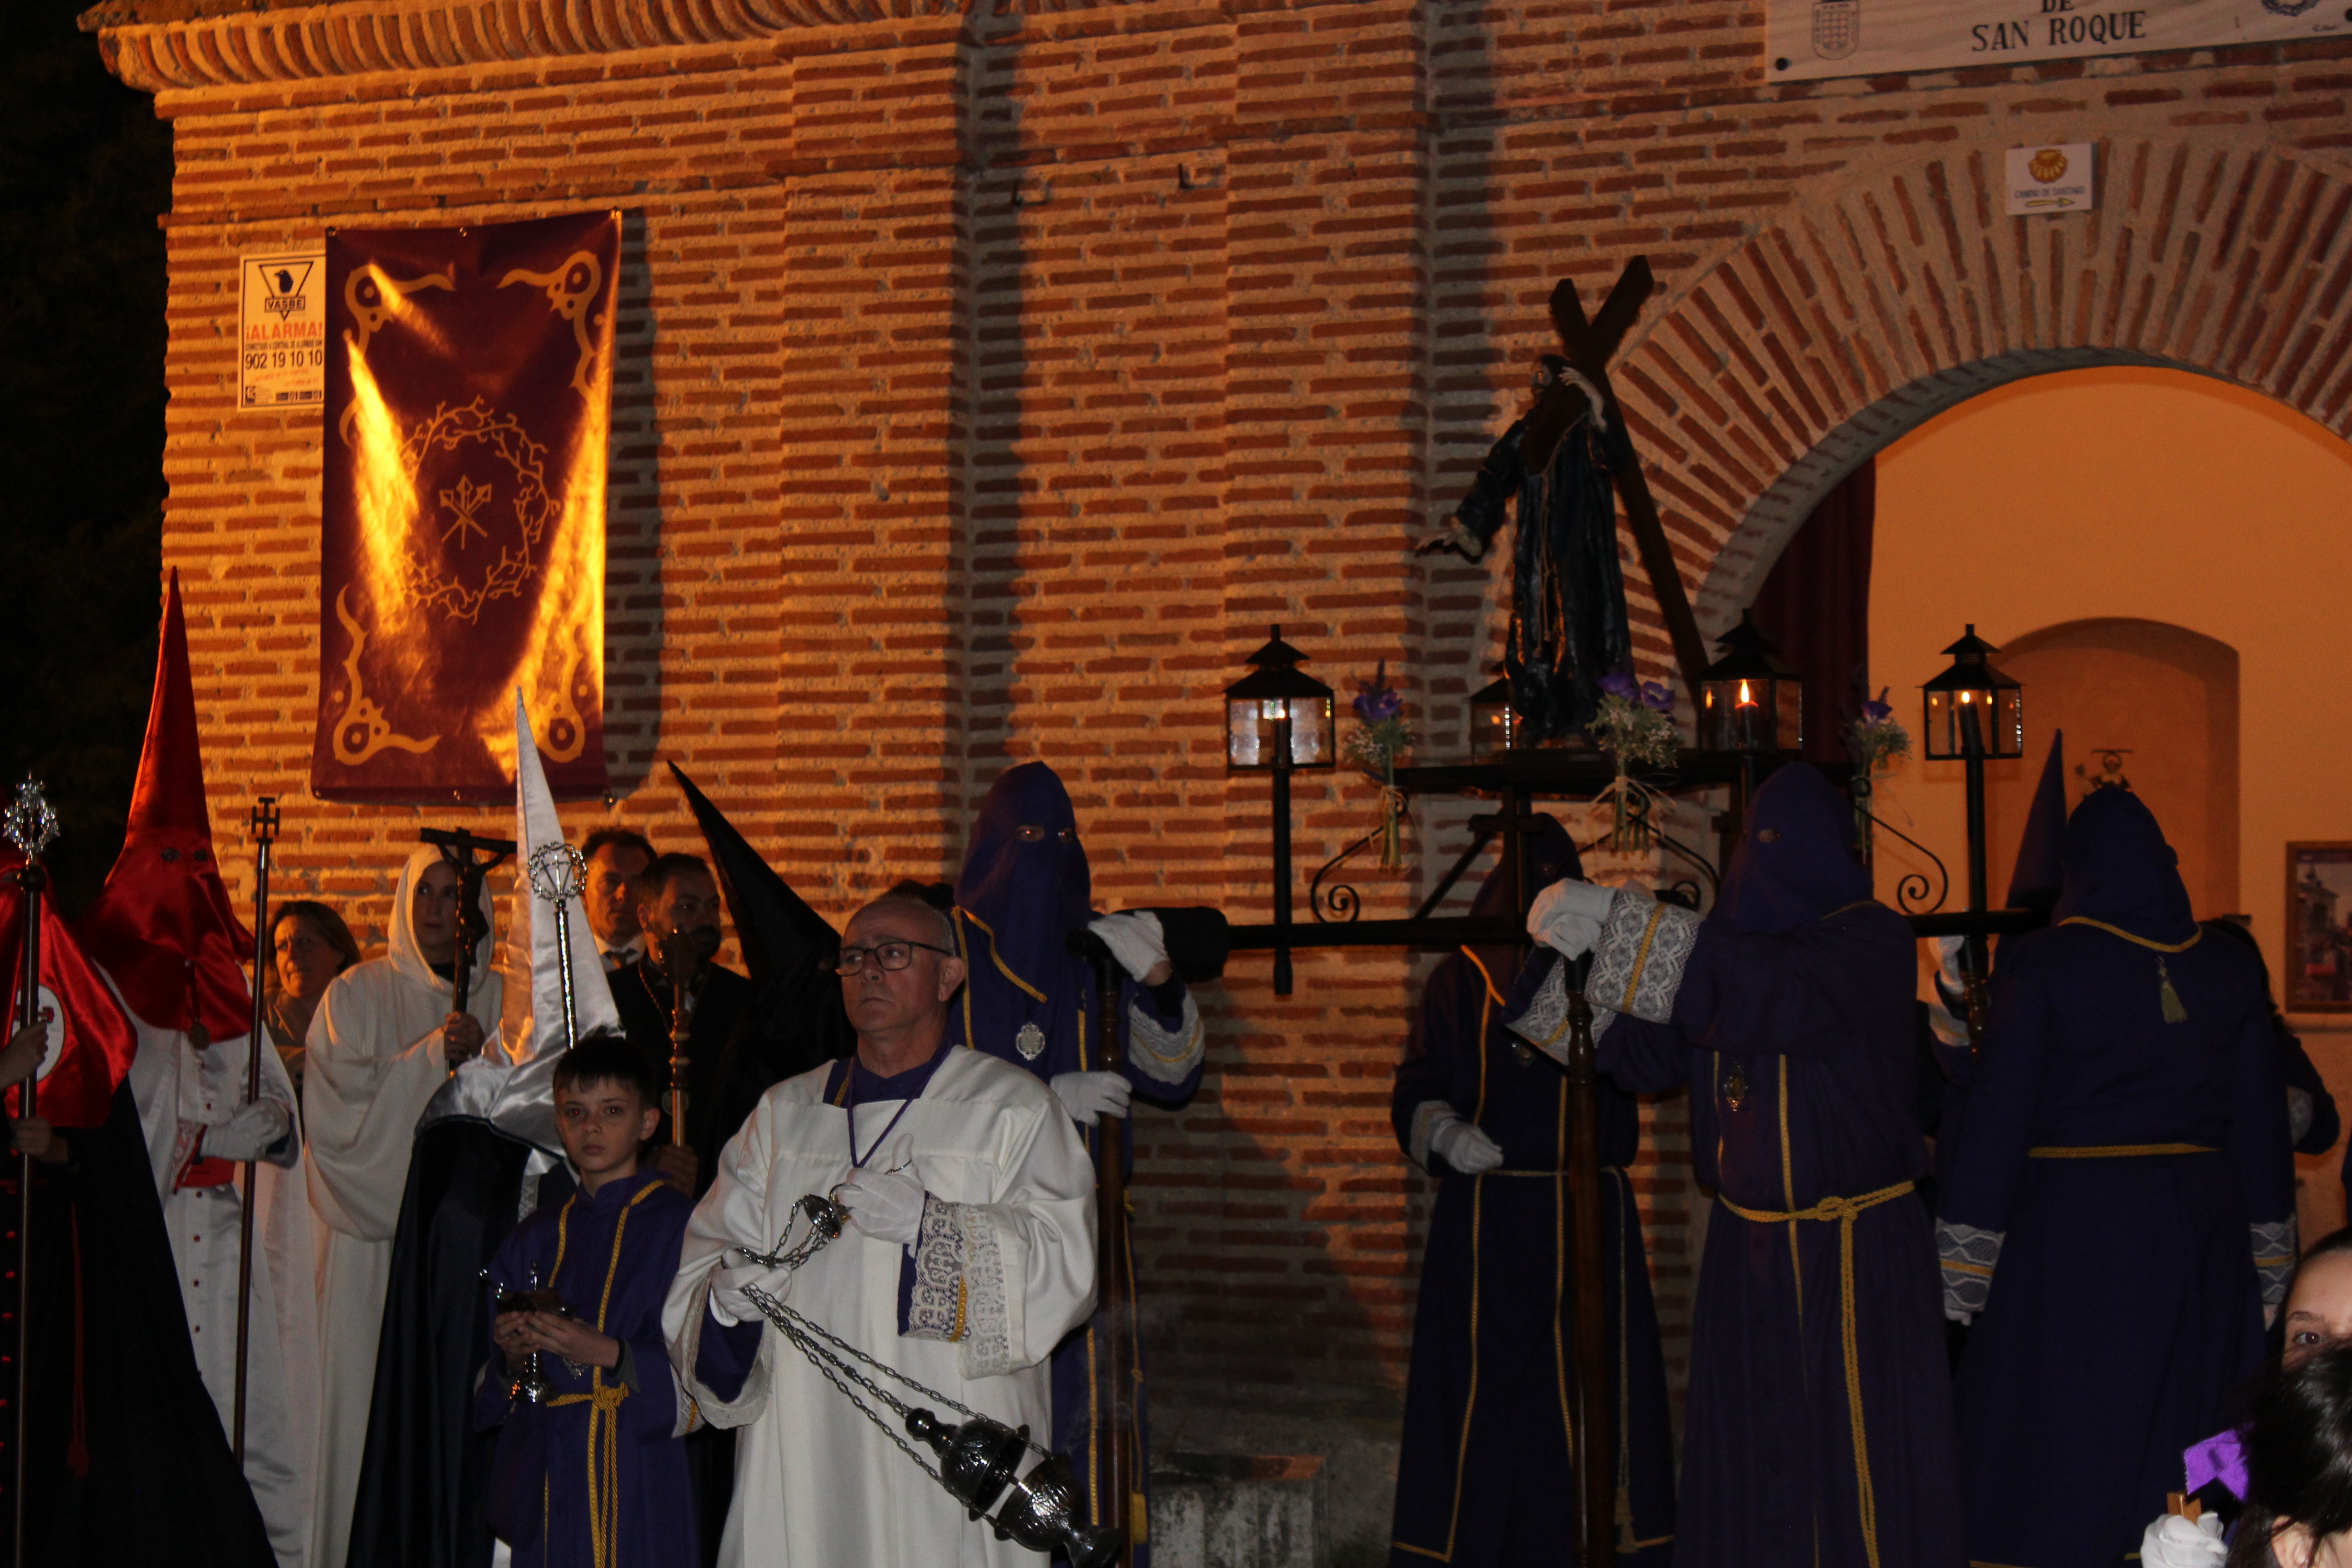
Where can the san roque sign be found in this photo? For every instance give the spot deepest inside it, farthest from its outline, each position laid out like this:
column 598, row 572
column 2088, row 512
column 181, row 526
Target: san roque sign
column 1812, row 38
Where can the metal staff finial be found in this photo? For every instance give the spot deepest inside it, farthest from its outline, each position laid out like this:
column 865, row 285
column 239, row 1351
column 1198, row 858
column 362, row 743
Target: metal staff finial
column 29, row 823
column 559, row 874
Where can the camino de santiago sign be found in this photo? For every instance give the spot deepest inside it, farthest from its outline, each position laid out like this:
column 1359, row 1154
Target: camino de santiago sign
column 1811, row 39
column 469, row 393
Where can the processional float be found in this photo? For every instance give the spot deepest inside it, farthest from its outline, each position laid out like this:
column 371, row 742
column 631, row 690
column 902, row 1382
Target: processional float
column 1277, row 698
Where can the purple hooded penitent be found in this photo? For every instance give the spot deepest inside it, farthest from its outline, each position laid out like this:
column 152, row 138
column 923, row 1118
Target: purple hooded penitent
column 1027, row 896
column 2124, row 1179
column 1031, row 1001
column 1793, row 866
column 1481, row 1477
column 2120, row 870
column 1820, row 1426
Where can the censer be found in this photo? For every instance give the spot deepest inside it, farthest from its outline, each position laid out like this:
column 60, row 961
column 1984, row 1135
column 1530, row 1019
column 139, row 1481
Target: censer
column 980, row 1458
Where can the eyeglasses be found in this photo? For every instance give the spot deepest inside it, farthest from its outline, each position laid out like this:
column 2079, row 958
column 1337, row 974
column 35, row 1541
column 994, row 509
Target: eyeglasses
column 892, row 956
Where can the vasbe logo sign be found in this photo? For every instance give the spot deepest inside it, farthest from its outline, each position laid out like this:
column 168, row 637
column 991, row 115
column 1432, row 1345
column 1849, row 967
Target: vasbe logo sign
column 282, row 331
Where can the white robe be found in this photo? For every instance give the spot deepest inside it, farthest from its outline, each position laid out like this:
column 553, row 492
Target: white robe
column 179, row 1091
column 817, row 1484
column 375, row 1060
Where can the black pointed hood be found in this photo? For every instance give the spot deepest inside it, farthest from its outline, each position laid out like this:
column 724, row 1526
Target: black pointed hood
column 788, row 947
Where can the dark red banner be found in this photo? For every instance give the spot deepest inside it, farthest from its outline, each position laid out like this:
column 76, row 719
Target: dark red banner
column 469, row 380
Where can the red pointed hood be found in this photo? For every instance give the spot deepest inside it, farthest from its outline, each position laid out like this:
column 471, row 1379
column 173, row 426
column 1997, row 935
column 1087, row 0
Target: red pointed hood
column 164, row 930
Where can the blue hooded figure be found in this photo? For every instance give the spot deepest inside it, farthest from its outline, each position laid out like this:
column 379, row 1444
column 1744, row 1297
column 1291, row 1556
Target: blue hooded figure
column 1819, row 1425
column 2121, row 1203
column 1025, row 890
column 1481, row 1480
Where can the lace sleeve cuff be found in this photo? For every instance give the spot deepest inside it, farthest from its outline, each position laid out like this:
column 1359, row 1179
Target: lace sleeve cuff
column 2273, row 1258
column 1162, row 1054
column 1967, row 1255
column 1544, row 1023
column 956, row 1290
column 1637, row 966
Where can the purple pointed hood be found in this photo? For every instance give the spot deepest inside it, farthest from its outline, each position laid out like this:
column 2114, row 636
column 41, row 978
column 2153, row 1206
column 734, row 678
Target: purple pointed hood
column 1793, row 866
column 1030, row 895
column 2041, row 853
column 2121, row 872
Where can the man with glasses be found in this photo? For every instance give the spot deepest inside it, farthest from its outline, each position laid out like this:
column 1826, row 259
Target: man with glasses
column 969, row 1252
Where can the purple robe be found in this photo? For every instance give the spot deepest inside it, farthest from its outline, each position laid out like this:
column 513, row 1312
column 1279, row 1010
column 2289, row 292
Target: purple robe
column 2120, row 1207
column 1484, row 1477
column 544, row 1470
column 1819, row 1424
column 1017, row 904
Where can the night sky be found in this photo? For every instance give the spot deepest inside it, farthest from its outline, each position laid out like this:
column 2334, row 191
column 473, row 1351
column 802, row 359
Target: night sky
column 85, row 167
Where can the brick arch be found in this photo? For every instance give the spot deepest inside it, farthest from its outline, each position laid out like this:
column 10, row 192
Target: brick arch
column 1844, row 322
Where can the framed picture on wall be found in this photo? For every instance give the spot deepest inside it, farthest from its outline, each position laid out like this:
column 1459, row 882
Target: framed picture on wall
column 2319, row 927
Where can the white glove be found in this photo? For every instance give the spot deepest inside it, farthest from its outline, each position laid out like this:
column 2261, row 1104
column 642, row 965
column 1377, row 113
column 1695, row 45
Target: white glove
column 888, row 1203
column 2173, row 1542
column 1087, row 1095
column 249, row 1133
column 1567, row 916
column 1955, row 1315
column 1464, row 1144
column 1135, row 939
column 1948, row 951
column 729, row 1303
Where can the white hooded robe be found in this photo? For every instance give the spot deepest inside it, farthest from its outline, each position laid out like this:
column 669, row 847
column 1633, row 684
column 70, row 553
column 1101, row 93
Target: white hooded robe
column 375, row 1062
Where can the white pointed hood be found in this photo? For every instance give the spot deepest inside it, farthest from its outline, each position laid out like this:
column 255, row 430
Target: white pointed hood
column 535, row 828
column 512, row 1085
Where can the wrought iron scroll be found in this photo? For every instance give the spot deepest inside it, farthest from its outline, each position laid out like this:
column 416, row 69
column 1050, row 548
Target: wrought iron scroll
column 1913, row 885
column 1342, row 903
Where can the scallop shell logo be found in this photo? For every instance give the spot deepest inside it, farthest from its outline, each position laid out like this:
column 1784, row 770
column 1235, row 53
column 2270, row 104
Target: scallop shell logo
column 2047, row 166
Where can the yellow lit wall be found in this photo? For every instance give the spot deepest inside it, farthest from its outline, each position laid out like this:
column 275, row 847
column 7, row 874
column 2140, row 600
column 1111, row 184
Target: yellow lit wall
column 2135, row 495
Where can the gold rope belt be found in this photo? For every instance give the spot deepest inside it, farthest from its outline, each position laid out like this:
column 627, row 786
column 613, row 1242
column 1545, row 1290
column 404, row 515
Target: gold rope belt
column 603, row 1400
column 1844, row 1211
column 2113, row 1151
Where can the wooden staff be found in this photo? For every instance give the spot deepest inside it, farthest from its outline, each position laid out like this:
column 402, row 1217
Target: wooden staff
column 1596, row 1446
column 32, row 827
column 1122, row 1484
column 265, row 833
column 683, row 959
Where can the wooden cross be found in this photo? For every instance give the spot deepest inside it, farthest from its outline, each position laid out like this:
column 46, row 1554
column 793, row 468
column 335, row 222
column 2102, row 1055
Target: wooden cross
column 1588, row 345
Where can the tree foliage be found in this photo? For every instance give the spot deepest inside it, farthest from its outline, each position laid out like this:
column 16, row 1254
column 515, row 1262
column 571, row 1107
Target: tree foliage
column 85, row 168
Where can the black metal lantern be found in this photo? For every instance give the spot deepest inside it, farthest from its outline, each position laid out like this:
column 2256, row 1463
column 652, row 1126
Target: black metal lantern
column 1747, row 699
column 1973, row 707
column 1275, row 703
column 1495, row 724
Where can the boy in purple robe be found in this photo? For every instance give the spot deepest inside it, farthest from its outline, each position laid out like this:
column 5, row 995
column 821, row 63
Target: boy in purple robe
column 593, row 1475
column 2121, row 1212
column 1023, row 891
column 1485, row 1476
column 1819, row 1425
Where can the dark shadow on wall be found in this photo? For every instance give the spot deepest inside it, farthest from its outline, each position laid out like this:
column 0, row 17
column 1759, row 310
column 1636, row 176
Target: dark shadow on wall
column 636, row 552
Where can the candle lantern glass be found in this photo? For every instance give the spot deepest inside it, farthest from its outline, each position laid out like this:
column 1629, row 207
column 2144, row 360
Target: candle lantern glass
column 1747, row 699
column 1257, row 705
column 1973, row 697
column 1495, row 724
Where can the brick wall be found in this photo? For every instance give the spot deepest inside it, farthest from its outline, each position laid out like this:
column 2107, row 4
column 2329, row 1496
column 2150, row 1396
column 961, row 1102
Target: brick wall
column 988, row 383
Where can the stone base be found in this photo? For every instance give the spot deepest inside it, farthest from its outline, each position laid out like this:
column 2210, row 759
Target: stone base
column 1239, row 1510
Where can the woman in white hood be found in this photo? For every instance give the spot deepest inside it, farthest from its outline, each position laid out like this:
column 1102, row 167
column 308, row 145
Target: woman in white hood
column 384, row 1041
